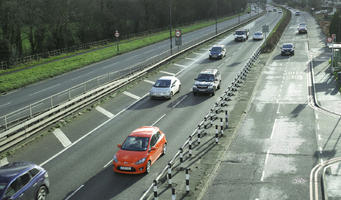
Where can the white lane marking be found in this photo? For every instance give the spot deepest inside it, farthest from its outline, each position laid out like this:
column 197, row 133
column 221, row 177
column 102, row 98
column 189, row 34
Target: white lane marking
column 273, row 129
column 266, row 160
column 192, row 59
column 278, row 107
column 131, row 95
column 148, row 81
column 317, row 116
column 3, row 161
column 198, row 53
column 62, row 137
column 5, row 104
column 93, row 130
column 181, row 100
column 320, row 149
column 106, row 165
column 43, row 90
column 104, row 112
column 168, row 73
column 157, row 121
column 318, row 126
column 74, row 192
column 319, row 136
column 182, row 66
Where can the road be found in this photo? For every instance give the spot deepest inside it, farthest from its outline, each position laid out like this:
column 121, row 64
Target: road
column 282, row 136
column 80, row 166
column 32, row 93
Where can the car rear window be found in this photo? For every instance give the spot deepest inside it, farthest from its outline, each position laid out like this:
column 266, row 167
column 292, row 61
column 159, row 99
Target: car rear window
column 216, row 49
column 206, row 77
column 135, row 143
column 287, row 46
column 240, row 32
column 162, row 83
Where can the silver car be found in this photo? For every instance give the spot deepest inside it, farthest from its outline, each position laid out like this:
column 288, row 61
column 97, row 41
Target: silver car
column 165, row 87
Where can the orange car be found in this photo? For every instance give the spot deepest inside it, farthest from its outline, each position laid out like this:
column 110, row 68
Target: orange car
column 140, row 150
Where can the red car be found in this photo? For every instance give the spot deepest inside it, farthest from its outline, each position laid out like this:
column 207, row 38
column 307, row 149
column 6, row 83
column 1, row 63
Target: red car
column 140, row 150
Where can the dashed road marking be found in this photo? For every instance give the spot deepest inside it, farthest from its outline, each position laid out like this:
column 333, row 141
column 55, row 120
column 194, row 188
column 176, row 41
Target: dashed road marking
column 266, row 160
column 73, row 193
column 45, row 89
column 148, row 81
column 181, row 100
column 192, row 59
column 3, row 161
column 106, row 165
column 5, row 104
column 319, row 136
column 104, row 112
column 157, row 121
column 169, row 73
column 273, row 129
column 62, row 137
column 197, row 53
column 182, row 66
column 131, row 95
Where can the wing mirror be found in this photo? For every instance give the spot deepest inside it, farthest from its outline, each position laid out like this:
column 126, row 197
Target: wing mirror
column 119, row 146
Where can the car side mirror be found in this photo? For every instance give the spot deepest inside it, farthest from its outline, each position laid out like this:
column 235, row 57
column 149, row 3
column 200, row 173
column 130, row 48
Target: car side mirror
column 119, row 146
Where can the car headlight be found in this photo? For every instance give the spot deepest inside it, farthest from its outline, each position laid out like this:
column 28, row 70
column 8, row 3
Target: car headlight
column 140, row 161
column 46, row 175
column 115, row 159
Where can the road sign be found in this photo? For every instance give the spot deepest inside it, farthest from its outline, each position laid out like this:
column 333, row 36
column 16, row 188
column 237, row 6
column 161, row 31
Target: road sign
column 177, row 33
column 117, row 34
column 265, row 28
column 329, row 40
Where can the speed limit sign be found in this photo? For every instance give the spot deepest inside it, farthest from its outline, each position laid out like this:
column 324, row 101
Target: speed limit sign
column 329, row 40
column 178, row 33
column 117, row 34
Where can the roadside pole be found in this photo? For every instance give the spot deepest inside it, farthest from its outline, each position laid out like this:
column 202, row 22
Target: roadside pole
column 117, row 35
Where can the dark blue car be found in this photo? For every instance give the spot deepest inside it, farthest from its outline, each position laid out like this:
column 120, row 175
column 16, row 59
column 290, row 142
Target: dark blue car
column 24, row 181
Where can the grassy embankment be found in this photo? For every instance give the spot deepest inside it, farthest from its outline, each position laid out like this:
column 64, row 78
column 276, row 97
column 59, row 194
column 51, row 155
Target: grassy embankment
column 71, row 61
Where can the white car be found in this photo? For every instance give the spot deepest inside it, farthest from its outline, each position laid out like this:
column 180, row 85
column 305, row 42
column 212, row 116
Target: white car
column 258, row 35
column 165, row 87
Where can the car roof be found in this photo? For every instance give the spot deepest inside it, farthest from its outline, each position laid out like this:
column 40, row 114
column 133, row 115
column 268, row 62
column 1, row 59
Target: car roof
column 209, row 71
column 14, row 169
column 166, row 78
column 258, row 32
column 288, row 44
column 144, row 131
column 218, row 45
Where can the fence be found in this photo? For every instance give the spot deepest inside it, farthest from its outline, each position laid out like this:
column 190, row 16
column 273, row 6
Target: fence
column 211, row 128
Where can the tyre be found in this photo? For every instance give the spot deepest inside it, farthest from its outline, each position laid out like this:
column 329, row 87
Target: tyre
column 164, row 149
column 194, row 94
column 213, row 93
column 179, row 89
column 148, row 167
column 218, row 86
column 170, row 95
column 41, row 193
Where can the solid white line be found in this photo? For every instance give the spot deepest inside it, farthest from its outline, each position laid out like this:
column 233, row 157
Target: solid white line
column 318, row 126
column 320, row 149
column 273, row 129
column 104, row 112
column 183, row 66
column 3, row 161
column 192, row 59
column 74, row 192
column 106, row 165
column 198, row 53
column 158, row 119
column 148, row 81
column 181, row 100
column 42, row 90
column 93, row 130
column 168, row 73
column 319, row 136
column 62, row 137
column 278, row 107
column 317, row 116
column 131, row 95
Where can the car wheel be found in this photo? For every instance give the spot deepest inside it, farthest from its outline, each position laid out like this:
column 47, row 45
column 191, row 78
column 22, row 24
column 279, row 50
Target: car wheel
column 164, row 149
column 213, row 93
column 194, row 94
column 148, row 167
column 218, row 86
column 179, row 89
column 170, row 95
column 41, row 193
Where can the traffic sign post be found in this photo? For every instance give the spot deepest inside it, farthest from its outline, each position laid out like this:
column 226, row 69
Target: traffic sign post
column 265, row 29
column 117, row 35
column 178, row 38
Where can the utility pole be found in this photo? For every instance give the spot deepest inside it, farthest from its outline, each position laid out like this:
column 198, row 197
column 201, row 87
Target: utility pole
column 216, row 17
column 170, row 26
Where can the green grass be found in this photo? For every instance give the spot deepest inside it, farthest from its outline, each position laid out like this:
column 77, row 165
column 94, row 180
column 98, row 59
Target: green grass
column 47, row 69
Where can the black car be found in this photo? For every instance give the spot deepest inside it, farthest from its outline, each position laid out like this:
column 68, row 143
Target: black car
column 24, row 181
column 288, row 49
column 302, row 28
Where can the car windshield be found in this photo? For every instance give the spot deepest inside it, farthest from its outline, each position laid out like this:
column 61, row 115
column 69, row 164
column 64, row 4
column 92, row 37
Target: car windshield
column 206, row 77
column 287, row 46
column 135, row 143
column 216, row 49
column 162, row 83
column 240, row 32
column 258, row 33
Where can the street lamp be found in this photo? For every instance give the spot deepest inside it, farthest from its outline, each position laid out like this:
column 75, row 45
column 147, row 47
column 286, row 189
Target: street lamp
column 216, row 17
column 170, row 26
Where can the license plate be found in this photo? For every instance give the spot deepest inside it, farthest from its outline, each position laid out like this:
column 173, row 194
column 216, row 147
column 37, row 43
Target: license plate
column 125, row 168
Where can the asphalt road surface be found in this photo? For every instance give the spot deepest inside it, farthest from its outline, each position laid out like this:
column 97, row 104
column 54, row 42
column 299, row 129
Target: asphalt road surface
column 32, row 93
column 79, row 164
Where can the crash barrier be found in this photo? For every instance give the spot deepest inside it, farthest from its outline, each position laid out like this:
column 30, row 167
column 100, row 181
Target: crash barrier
column 21, row 124
column 216, row 119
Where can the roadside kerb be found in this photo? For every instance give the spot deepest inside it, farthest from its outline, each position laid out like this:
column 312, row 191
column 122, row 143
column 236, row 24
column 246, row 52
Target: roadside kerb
column 222, row 125
column 27, row 128
column 14, row 118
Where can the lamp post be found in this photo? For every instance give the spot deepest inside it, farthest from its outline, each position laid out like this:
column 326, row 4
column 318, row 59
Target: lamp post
column 216, row 17
column 170, row 26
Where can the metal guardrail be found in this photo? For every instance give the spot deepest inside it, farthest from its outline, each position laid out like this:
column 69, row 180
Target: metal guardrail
column 23, row 123
column 201, row 131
